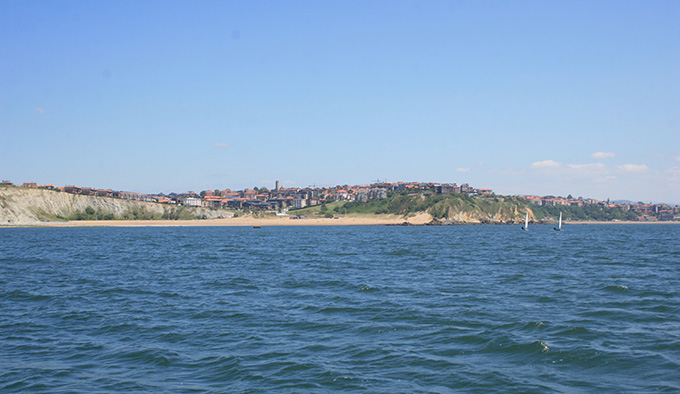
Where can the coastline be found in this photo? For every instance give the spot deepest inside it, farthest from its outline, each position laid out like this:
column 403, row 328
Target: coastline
column 243, row 221
column 249, row 221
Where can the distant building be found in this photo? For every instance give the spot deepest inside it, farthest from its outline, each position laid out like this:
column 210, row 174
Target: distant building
column 341, row 194
column 72, row 189
column 447, row 189
column 299, row 203
column 377, row 193
column 249, row 194
column 190, row 201
column 212, row 201
column 105, row 193
column 361, row 195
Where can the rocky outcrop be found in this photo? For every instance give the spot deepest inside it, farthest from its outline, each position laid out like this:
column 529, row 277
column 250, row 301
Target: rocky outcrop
column 478, row 216
column 20, row 205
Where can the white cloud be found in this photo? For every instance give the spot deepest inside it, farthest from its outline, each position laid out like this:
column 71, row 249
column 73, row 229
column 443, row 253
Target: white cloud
column 633, row 167
column 602, row 155
column 587, row 167
column 462, row 169
column 40, row 110
column 546, row 164
column 221, row 145
column 677, row 158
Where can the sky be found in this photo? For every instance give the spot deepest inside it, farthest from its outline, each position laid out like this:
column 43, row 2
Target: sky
column 522, row 97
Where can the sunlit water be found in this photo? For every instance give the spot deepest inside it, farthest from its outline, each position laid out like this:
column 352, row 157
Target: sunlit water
column 594, row 308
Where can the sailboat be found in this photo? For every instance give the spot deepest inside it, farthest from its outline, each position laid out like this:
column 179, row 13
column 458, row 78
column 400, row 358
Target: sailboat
column 559, row 226
column 526, row 223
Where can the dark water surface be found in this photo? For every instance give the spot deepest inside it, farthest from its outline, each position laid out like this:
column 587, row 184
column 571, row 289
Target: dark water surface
column 594, row 308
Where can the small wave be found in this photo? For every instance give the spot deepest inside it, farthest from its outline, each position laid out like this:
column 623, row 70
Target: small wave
column 334, row 310
column 616, row 288
column 512, row 278
column 402, row 252
column 229, row 247
column 475, row 339
column 535, row 347
column 25, row 296
column 542, row 345
column 118, row 328
column 574, row 330
column 658, row 309
column 510, row 326
column 220, row 361
column 151, row 357
column 534, row 324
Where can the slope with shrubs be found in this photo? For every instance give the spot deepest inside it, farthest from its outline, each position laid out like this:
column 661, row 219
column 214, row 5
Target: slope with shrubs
column 462, row 208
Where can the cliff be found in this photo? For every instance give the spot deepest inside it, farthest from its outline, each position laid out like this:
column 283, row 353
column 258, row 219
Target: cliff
column 443, row 208
column 20, row 205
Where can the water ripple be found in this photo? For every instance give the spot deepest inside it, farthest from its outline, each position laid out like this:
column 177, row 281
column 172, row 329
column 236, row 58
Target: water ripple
column 359, row 309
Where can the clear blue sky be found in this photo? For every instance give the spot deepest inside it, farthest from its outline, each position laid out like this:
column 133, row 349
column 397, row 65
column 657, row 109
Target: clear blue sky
column 524, row 97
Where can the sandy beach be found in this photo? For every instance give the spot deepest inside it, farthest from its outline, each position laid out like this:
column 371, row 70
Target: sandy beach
column 376, row 220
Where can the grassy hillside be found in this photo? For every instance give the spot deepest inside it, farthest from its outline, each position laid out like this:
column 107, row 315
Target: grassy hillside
column 440, row 206
column 589, row 212
column 451, row 207
column 465, row 209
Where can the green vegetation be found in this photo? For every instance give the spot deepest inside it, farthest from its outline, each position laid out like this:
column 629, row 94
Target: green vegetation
column 440, row 206
column 90, row 214
column 489, row 208
column 180, row 213
column 587, row 212
column 43, row 216
column 134, row 213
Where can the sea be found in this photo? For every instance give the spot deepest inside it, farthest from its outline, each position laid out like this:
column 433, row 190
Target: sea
column 367, row 309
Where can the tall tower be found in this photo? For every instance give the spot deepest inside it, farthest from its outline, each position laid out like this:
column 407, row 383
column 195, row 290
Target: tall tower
column 277, row 186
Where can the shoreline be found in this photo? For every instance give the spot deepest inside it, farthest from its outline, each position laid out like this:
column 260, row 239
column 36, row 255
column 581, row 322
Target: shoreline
column 244, row 221
column 249, row 221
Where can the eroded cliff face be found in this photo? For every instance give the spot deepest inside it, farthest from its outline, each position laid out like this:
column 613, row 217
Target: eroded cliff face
column 477, row 216
column 20, row 205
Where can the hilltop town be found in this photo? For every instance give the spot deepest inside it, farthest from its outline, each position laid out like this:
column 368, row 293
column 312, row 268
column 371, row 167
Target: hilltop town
column 281, row 199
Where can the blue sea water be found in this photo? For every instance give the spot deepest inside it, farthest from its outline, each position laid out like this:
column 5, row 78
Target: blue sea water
column 594, row 308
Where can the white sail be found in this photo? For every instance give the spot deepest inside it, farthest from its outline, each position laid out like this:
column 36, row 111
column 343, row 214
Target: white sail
column 559, row 226
column 526, row 222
